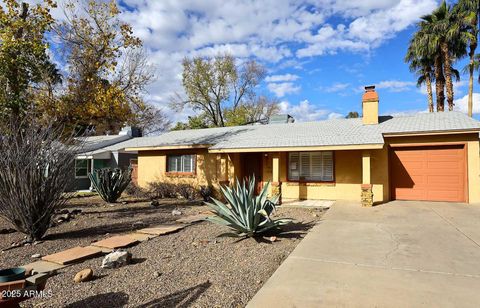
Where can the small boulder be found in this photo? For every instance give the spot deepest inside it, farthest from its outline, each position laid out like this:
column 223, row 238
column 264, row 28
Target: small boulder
column 176, row 213
column 36, row 256
column 273, row 238
column 83, row 275
column 116, row 259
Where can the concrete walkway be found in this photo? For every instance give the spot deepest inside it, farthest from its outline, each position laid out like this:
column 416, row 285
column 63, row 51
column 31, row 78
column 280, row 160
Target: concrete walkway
column 400, row 254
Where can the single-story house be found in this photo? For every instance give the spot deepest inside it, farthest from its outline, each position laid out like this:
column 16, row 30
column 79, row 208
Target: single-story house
column 99, row 152
column 373, row 159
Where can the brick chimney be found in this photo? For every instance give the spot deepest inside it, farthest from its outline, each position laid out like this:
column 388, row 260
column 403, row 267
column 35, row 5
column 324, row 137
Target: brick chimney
column 370, row 106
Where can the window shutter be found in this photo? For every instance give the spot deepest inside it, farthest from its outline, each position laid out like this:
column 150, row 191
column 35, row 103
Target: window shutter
column 305, row 165
column 187, row 163
column 327, row 162
column 316, row 166
column 293, row 166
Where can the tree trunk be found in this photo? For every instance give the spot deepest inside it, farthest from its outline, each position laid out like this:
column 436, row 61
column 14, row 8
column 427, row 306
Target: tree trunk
column 428, row 82
column 471, row 67
column 439, row 83
column 447, row 67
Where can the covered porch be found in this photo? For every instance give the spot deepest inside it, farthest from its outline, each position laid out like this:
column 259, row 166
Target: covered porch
column 357, row 175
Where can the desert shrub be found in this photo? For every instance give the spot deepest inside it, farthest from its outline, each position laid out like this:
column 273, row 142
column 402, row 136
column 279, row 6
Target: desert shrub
column 36, row 166
column 206, row 192
column 187, row 191
column 110, row 182
column 246, row 214
column 160, row 190
column 135, row 191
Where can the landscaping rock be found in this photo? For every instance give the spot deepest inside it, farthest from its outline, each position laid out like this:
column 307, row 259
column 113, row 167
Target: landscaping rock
column 176, row 213
column 273, row 238
column 138, row 224
column 116, row 259
column 154, row 203
column 36, row 256
column 83, row 275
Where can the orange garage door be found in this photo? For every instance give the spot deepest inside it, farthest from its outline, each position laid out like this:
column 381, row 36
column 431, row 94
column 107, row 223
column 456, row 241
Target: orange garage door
column 428, row 173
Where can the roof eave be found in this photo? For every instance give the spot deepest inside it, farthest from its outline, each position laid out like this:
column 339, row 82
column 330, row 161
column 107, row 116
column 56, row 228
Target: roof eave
column 370, row 146
column 168, row 147
column 439, row 132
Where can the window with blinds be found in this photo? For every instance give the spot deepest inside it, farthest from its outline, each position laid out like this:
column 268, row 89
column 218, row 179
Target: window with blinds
column 310, row 166
column 181, row 163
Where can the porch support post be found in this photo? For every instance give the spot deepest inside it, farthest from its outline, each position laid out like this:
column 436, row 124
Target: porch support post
column 223, row 179
column 367, row 193
column 276, row 183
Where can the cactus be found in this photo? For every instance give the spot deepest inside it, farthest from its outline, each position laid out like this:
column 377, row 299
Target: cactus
column 110, row 183
column 246, row 214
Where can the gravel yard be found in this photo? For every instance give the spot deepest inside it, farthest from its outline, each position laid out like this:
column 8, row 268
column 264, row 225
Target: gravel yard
column 192, row 267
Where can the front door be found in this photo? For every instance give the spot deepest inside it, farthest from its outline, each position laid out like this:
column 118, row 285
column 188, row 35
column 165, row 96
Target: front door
column 252, row 166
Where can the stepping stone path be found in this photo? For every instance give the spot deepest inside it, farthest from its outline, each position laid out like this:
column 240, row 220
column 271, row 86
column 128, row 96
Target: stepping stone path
column 73, row 255
column 161, row 229
column 115, row 242
column 43, row 267
column 52, row 263
column 141, row 237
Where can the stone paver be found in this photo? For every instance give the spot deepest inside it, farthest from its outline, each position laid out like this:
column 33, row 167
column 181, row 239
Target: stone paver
column 43, row 266
column 162, row 229
column 400, row 254
column 141, row 237
column 115, row 242
column 73, row 255
column 193, row 218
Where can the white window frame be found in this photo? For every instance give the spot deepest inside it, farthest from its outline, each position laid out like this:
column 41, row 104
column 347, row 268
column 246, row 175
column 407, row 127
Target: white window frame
column 307, row 175
column 77, row 168
column 181, row 169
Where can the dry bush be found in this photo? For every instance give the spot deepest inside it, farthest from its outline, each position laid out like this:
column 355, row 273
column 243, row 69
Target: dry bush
column 36, row 168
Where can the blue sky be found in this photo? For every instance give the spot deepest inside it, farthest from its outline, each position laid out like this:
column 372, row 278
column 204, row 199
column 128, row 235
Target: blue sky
column 319, row 53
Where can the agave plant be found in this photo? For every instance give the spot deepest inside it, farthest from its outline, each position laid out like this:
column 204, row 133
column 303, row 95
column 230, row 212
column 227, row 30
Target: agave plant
column 246, row 214
column 110, row 183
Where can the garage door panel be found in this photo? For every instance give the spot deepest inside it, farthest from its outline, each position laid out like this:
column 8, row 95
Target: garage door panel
column 429, row 173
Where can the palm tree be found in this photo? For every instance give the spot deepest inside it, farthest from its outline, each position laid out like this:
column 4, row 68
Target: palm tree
column 469, row 12
column 444, row 39
column 422, row 66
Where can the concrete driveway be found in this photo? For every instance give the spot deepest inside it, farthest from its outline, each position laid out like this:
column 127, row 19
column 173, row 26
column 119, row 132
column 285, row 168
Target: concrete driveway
column 400, row 254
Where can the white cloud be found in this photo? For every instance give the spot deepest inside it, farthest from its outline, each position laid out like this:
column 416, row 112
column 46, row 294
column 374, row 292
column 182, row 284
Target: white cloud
column 336, row 87
column 461, row 104
column 335, row 115
column 272, row 31
column 395, row 85
column 283, row 88
column 285, row 77
column 304, row 111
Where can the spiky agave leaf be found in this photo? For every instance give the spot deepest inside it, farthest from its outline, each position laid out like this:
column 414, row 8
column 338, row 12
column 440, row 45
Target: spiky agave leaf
column 245, row 213
column 110, row 183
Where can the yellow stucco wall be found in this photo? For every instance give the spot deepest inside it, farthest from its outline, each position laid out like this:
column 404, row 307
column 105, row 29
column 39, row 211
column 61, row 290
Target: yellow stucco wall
column 152, row 168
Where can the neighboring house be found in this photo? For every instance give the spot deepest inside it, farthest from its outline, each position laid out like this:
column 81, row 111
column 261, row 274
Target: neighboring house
column 427, row 156
column 103, row 151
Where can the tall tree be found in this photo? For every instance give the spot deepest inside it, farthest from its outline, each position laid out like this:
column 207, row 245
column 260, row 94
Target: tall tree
column 468, row 11
column 216, row 86
column 107, row 69
column 440, row 38
column 422, row 66
column 24, row 62
column 352, row 115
